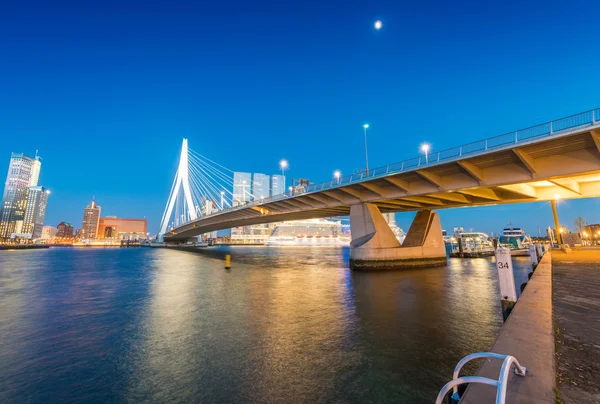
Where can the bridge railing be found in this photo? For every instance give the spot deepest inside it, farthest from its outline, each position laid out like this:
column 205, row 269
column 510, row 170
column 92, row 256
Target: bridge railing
column 553, row 128
column 470, row 149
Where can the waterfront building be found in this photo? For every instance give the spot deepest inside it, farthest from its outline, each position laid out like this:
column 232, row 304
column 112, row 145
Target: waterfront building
column 33, row 222
column 242, row 188
column 64, row 230
column 91, row 221
column 23, row 172
column 78, row 234
column 48, row 232
column 261, row 185
column 277, row 184
column 111, row 227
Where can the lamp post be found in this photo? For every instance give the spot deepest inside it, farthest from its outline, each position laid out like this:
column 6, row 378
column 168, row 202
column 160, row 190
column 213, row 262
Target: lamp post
column 283, row 164
column 365, row 127
column 425, row 149
column 337, row 175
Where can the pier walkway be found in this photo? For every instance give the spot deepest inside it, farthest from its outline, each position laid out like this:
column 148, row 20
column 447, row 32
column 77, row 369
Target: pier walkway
column 528, row 336
column 554, row 330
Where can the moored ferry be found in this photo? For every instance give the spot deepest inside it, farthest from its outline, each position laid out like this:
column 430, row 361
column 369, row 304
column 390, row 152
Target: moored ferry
column 470, row 245
column 515, row 239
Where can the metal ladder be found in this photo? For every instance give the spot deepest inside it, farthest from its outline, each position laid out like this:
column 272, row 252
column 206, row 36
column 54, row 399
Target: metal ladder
column 500, row 383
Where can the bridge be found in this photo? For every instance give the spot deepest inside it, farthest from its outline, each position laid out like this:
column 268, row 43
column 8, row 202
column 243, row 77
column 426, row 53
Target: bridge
column 557, row 159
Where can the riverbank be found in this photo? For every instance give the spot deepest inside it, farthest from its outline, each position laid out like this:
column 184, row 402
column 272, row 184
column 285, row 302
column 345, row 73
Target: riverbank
column 22, row 246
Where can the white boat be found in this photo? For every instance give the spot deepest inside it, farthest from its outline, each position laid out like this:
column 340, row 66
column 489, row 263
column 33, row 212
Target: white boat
column 516, row 240
column 312, row 232
column 472, row 245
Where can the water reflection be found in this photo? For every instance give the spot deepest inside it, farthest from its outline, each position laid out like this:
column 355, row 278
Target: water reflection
column 289, row 325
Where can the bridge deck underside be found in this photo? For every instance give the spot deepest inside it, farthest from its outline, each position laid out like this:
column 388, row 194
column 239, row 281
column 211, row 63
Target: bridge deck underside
column 566, row 166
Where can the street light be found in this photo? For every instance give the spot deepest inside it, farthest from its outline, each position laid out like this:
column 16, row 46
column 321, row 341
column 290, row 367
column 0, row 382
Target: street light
column 337, row 175
column 283, row 164
column 365, row 127
column 425, row 149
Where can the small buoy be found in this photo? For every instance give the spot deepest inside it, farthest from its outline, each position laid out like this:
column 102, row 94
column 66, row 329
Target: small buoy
column 227, row 261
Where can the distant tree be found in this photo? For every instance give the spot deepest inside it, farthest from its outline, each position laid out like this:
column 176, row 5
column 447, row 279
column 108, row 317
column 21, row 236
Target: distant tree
column 580, row 224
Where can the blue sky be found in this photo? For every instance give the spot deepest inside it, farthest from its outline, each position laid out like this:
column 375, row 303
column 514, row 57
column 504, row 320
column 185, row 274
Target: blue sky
column 106, row 91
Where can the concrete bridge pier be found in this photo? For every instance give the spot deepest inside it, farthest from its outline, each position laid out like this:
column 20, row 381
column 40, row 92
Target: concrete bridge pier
column 374, row 246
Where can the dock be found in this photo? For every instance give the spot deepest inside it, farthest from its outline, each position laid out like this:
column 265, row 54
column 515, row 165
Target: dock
column 554, row 331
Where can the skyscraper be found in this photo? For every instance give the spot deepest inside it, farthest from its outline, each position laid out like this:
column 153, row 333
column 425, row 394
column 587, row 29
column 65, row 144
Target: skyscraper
column 33, row 222
column 260, row 186
column 91, row 220
column 23, row 172
column 242, row 188
column 277, row 184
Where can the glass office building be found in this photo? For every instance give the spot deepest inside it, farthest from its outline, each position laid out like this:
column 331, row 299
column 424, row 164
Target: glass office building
column 33, row 223
column 277, row 184
column 242, row 188
column 23, row 173
column 261, row 185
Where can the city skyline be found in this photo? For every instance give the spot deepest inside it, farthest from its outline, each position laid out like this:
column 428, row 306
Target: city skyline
column 267, row 90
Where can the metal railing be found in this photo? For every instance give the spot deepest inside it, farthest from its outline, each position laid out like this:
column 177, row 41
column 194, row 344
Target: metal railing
column 519, row 137
column 500, row 383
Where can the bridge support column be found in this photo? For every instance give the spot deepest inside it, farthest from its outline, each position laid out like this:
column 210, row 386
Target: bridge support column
column 374, row 246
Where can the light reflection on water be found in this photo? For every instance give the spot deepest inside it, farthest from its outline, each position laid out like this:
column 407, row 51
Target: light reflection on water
column 283, row 325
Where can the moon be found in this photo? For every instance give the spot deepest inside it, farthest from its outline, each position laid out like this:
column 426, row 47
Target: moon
column 378, row 24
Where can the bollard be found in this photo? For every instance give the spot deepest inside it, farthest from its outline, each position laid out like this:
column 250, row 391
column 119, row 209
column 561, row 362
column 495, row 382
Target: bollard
column 533, row 255
column 539, row 251
column 227, row 261
column 506, row 280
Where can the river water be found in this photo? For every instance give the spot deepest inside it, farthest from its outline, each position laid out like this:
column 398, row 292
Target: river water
column 284, row 325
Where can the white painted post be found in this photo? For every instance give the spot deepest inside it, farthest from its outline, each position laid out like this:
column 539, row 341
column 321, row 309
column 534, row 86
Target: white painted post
column 506, row 280
column 533, row 255
column 539, row 250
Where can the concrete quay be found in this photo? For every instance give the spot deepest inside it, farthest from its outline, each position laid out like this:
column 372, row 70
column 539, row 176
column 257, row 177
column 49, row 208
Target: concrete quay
column 554, row 331
column 528, row 336
column 22, row 246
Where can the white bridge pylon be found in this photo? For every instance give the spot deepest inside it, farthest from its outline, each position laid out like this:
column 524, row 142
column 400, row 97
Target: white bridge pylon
column 182, row 179
column 201, row 187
